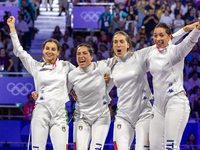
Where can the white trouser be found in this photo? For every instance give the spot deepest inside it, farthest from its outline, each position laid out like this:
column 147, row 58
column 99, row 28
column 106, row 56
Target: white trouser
column 83, row 131
column 166, row 129
column 124, row 134
column 43, row 123
column 50, row 3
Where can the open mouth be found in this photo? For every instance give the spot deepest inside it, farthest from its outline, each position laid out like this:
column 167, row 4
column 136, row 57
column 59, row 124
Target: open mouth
column 119, row 51
column 81, row 61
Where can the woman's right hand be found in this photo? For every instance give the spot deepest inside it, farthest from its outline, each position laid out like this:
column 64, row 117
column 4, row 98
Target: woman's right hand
column 34, row 95
column 11, row 24
column 11, row 21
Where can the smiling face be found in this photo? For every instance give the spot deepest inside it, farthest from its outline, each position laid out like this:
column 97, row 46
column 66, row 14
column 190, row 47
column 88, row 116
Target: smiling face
column 120, row 45
column 50, row 52
column 83, row 57
column 161, row 38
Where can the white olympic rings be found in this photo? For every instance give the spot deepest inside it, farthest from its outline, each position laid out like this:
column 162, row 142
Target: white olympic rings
column 90, row 16
column 19, row 88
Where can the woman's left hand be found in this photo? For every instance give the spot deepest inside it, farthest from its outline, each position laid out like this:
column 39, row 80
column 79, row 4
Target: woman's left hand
column 106, row 78
column 198, row 26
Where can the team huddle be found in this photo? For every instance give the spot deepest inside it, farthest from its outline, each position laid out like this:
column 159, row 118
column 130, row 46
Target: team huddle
column 157, row 127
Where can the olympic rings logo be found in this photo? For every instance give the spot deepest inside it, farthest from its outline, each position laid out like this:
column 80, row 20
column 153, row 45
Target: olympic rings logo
column 20, row 88
column 90, row 16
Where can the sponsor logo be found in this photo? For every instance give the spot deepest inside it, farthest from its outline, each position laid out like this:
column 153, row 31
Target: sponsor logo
column 20, row 88
column 170, row 91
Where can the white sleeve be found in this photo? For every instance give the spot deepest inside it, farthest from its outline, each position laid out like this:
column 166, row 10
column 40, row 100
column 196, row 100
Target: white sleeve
column 71, row 67
column 110, row 62
column 182, row 49
column 29, row 63
column 142, row 57
column 178, row 35
column 69, row 84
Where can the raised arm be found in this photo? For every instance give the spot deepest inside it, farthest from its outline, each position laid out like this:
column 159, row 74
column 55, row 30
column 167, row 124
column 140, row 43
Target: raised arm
column 180, row 33
column 182, row 49
column 27, row 60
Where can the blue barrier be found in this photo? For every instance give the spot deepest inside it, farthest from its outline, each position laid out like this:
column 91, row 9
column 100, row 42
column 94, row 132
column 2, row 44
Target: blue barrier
column 18, row 131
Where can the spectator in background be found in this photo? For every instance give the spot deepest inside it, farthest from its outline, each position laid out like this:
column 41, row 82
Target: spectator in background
column 134, row 15
column 190, row 17
column 150, row 21
column 188, row 5
column 50, row 5
column 4, row 21
column 62, row 56
column 194, row 62
column 186, row 85
column 5, row 29
column 99, row 56
column 141, row 7
column 28, row 107
column 178, row 23
column 103, row 50
column 151, row 4
column 57, row 34
column 28, row 35
column 5, row 62
column 2, row 41
column 160, row 11
column 141, row 33
column 26, row 4
column 106, row 19
column 102, row 33
column 192, row 70
column 91, row 37
column 194, row 80
column 191, row 142
column 119, row 12
column 9, row 51
column 194, row 99
column 116, row 23
column 66, row 50
column 193, row 54
column 63, row 4
column 141, row 44
column 132, row 3
column 108, row 44
column 166, row 19
column 177, row 9
column 22, row 28
column 67, row 40
column 174, row 6
column 129, row 25
column 197, row 110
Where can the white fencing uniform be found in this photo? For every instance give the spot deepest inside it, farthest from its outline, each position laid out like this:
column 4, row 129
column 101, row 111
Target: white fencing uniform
column 171, row 107
column 134, row 108
column 49, row 115
column 92, row 116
